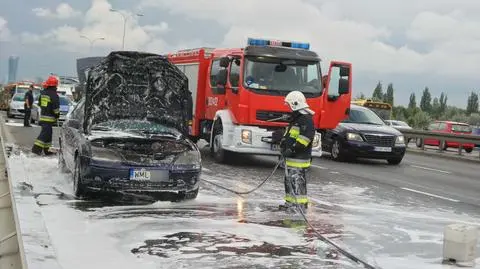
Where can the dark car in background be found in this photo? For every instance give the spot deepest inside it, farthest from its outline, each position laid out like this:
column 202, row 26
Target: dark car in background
column 129, row 133
column 364, row 135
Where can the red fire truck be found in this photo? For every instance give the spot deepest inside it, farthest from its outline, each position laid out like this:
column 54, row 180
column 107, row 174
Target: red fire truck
column 238, row 93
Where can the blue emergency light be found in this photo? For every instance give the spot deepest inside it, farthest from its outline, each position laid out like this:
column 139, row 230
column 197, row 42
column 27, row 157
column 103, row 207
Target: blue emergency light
column 266, row 42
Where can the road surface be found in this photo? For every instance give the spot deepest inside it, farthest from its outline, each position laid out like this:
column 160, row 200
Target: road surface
column 390, row 216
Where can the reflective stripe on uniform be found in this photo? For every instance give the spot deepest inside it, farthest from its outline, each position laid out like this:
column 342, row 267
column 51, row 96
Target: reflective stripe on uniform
column 44, row 100
column 47, row 119
column 300, row 199
column 42, row 144
column 294, row 132
column 298, row 163
column 303, row 140
column 56, row 111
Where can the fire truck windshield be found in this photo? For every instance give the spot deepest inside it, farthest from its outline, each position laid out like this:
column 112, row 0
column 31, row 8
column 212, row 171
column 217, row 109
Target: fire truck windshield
column 275, row 76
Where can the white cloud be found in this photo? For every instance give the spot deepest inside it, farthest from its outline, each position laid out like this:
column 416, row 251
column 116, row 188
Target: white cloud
column 4, row 31
column 63, row 11
column 100, row 22
column 338, row 31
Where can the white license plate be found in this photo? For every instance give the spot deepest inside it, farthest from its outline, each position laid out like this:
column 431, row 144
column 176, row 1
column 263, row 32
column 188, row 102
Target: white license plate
column 140, row 174
column 383, row 149
column 275, row 147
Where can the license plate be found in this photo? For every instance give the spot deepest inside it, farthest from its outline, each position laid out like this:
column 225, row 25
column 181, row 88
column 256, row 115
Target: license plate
column 139, row 174
column 383, row 149
column 275, row 147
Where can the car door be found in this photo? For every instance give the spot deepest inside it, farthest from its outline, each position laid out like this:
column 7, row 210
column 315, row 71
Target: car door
column 433, row 127
column 72, row 132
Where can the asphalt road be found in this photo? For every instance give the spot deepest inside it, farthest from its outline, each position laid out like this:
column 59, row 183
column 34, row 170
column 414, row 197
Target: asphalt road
column 374, row 209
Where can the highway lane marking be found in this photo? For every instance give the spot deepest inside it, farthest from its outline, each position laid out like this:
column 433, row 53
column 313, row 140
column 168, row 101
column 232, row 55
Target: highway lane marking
column 206, row 169
column 431, row 194
column 430, row 169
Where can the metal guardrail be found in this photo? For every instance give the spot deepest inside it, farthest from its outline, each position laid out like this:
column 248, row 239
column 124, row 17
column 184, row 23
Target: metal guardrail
column 443, row 137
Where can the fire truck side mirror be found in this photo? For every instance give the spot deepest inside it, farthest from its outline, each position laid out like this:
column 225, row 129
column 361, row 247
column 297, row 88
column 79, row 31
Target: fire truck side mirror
column 343, row 86
column 222, row 77
column 224, row 62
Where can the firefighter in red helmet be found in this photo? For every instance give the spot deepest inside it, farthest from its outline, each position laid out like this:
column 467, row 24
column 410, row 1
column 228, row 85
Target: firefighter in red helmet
column 49, row 104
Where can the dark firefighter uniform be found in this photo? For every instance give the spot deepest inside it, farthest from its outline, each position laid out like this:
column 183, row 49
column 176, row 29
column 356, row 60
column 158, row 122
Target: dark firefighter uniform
column 49, row 104
column 297, row 150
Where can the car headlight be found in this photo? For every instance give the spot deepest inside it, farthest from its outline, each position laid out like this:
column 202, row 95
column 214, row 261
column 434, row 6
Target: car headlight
column 316, row 140
column 400, row 140
column 354, row 137
column 190, row 157
column 247, row 136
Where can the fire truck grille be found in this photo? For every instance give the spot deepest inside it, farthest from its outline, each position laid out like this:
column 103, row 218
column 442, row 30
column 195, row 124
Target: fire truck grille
column 270, row 115
column 380, row 140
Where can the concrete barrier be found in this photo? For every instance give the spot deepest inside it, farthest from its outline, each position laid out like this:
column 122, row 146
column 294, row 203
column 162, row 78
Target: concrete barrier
column 24, row 240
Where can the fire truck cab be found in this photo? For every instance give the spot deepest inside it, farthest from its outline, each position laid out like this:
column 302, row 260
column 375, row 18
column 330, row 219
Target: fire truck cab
column 238, row 93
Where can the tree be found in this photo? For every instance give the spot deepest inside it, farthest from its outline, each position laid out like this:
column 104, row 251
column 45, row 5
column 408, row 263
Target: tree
column 474, row 119
column 361, row 96
column 388, row 98
column 413, row 102
column 378, row 92
column 472, row 103
column 435, row 108
column 426, row 101
column 443, row 103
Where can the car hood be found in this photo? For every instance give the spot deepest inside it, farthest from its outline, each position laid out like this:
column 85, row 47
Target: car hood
column 137, row 86
column 15, row 104
column 134, row 149
column 369, row 128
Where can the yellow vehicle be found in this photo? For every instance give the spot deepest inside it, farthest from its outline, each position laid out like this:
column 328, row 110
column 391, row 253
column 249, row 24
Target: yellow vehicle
column 382, row 109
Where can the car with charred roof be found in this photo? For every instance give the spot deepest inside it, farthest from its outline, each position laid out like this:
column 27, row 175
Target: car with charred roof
column 129, row 132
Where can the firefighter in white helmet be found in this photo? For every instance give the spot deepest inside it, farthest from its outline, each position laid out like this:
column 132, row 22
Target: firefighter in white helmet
column 296, row 148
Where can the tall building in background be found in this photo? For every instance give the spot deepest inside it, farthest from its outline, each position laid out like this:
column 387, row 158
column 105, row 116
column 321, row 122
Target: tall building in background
column 12, row 68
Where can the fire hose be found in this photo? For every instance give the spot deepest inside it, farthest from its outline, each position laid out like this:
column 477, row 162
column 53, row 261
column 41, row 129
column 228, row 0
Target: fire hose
column 301, row 210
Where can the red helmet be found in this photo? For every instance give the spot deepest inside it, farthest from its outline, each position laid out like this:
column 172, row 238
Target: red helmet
column 51, row 81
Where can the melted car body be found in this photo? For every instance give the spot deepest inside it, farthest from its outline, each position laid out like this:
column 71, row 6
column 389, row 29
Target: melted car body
column 129, row 131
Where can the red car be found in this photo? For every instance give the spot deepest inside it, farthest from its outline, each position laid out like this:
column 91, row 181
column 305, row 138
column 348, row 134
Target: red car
column 448, row 127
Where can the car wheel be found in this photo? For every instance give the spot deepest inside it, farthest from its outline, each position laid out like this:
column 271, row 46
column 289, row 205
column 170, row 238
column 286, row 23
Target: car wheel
column 336, row 151
column 469, row 150
column 394, row 161
column 419, row 142
column 182, row 196
column 78, row 187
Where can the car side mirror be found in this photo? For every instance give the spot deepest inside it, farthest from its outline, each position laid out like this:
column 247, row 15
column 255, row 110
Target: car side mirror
column 75, row 124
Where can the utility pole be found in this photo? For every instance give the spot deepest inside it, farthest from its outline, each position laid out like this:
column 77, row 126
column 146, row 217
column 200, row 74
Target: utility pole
column 92, row 41
column 125, row 17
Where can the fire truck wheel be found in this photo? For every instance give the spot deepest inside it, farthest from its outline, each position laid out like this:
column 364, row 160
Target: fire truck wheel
column 218, row 153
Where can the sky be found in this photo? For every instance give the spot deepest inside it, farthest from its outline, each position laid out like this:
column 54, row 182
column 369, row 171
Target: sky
column 410, row 43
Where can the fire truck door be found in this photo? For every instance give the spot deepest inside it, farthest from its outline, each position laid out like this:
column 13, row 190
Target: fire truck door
column 337, row 94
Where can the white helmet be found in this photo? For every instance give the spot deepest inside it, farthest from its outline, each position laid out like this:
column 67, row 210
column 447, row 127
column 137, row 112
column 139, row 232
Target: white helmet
column 296, row 100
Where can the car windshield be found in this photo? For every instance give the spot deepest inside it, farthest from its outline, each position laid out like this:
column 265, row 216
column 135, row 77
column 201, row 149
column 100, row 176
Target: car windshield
column 364, row 116
column 64, row 101
column 279, row 76
column 20, row 90
column 19, row 97
column 399, row 123
column 382, row 113
column 136, row 126
column 461, row 128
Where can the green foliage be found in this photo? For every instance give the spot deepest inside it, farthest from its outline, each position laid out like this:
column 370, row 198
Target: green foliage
column 378, row 92
column 430, row 108
column 472, row 103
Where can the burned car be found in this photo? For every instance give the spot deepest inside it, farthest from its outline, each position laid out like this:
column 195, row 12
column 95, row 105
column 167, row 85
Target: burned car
column 129, row 132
